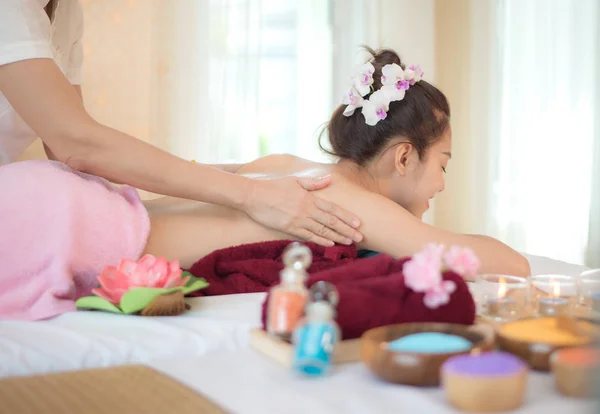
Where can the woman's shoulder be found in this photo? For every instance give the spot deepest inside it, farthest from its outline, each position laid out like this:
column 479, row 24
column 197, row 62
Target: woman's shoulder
column 280, row 165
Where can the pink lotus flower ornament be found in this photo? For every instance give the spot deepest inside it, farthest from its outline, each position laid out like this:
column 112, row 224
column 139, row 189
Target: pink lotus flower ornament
column 149, row 272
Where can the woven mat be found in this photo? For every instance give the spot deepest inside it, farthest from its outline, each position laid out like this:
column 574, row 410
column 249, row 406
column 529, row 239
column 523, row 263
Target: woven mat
column 128, row 389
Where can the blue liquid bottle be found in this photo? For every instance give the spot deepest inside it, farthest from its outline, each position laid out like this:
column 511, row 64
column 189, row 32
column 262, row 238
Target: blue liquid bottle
column 317, row 334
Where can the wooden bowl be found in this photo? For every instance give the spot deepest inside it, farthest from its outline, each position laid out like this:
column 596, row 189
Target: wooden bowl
column 171, row 304
column 410, row 368
column 577, row 371
column 536, row 352
column 487, row 382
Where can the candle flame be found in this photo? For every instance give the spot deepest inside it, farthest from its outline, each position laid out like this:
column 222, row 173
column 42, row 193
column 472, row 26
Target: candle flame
column 502, row 288
column 556, row 289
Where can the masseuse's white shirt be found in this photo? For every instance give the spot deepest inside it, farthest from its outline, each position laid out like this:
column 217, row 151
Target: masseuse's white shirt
column 27, row 33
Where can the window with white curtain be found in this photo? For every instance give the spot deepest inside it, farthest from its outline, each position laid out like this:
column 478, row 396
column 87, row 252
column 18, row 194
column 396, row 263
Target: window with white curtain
column 547, row 117
column 269, row 80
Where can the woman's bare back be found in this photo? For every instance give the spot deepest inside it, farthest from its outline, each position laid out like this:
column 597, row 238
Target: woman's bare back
column 187, row 230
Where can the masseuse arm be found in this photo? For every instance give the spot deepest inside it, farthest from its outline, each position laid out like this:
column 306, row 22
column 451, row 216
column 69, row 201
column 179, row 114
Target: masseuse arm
column 40, row 93
column 47, row 150
column 389, row 228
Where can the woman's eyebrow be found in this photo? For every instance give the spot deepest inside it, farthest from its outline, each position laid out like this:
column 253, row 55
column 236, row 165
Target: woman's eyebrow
column 449, row 154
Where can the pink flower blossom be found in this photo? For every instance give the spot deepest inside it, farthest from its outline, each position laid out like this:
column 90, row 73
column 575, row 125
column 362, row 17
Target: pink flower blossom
column 439, row 295
column 424, row 271
column 462, row 261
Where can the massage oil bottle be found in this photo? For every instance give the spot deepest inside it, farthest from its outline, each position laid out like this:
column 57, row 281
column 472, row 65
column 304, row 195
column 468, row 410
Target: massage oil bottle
column 315, row 339
column 288, row 299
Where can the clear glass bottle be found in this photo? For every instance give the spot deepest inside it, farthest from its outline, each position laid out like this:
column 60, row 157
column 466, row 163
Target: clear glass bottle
column 287, row 300
column 315, row 339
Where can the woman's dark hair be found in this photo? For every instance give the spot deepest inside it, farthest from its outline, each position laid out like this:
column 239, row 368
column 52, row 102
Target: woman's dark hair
column 420, row 118
column 49, row 9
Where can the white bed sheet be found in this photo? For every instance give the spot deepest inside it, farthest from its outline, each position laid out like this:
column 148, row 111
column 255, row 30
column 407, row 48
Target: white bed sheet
column 207, row 348
column 245, row 382
column 80, row 340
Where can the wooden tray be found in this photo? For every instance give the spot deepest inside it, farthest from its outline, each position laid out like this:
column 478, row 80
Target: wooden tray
column 281, row 351
column 346, row 351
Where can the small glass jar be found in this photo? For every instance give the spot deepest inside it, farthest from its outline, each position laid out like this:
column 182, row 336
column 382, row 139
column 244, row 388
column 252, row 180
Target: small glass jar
column 552, row 295
column 288, row 299
column 315, row 339
column 502, row 298
column 589, row 292
column 316, row 336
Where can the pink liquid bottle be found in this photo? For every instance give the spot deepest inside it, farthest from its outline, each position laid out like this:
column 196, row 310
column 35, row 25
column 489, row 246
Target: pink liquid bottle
column 288, row 299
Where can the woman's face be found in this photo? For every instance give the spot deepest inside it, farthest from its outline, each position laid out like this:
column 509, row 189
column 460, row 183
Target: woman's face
column 415, row 182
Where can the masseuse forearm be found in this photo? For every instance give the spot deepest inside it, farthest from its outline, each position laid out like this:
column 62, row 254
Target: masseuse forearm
column 123, row 159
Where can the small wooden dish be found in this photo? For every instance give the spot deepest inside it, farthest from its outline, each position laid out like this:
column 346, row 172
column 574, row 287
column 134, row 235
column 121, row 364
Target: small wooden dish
column 487, row 382
column 577, row 371
column 537, row 352
column 172, row 304
column 421, row 369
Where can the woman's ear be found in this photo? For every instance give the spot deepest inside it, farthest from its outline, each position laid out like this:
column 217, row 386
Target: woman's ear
column 402, row 155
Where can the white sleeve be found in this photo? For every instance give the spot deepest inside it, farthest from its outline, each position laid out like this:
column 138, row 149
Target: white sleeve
column 22, row 32
column 74, row 70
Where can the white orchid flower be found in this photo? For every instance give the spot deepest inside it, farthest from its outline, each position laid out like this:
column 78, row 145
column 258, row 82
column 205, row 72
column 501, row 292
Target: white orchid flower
column 390, row 74
column 354, row 100
column 376, row 107
column 363, row 79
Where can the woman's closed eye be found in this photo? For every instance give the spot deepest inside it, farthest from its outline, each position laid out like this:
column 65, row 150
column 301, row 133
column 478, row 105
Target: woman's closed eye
column 444, row 170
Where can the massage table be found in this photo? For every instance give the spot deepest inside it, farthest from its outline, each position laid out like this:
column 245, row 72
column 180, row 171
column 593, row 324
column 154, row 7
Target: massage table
column 208, row 350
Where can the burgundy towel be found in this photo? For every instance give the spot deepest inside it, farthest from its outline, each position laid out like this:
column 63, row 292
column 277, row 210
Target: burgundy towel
column 255, row 267
column 372, row 291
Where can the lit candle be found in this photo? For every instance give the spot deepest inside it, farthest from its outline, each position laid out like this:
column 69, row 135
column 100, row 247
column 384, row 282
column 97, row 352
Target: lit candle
column 553, row 305
column 501, row 307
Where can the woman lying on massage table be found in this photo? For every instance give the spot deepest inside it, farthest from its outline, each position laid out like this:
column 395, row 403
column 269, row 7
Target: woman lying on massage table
column 386, row 175
column 393, row 140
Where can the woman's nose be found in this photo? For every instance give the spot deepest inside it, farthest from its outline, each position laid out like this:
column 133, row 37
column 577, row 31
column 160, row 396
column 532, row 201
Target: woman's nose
column 442, row 186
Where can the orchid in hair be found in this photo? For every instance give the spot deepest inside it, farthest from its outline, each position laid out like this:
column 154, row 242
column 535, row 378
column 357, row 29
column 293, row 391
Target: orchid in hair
column 395, row 81
column 363, row 79
column 375, row 108
column 414, row 74
column 353, row 99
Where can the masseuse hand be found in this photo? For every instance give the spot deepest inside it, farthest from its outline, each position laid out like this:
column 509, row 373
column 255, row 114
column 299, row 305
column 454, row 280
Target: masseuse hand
column 285, row 205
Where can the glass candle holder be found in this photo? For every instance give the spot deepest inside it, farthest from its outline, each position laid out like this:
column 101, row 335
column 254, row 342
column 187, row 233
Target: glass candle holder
column 552, row 295
column 501, row 298
column 589, row 292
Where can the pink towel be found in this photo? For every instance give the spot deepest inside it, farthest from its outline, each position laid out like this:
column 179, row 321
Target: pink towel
column 58, row 229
